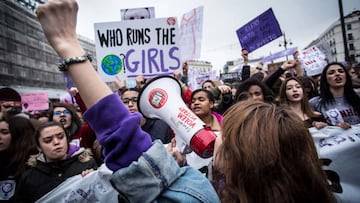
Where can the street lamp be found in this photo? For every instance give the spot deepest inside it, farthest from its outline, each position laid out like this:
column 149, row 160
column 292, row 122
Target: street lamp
column 285, row 42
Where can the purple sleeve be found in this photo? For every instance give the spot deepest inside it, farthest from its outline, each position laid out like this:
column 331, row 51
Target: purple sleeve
column 118, row 132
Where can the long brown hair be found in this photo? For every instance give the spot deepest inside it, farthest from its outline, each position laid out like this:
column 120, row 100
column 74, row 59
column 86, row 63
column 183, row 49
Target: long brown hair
column 305, row 105
column 22, row 142
column 268, row 155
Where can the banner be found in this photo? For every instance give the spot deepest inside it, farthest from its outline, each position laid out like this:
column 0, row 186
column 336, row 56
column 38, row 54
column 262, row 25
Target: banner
column 340, row 152
column 129, row 48
column 279, row 54
column 312, row 60
column 259, row 31
column 191, row 33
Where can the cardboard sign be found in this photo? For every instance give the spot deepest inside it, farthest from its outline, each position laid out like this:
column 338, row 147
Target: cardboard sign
column 35, row 101
column 129, row 48
column 313, row 60
column 259, row 31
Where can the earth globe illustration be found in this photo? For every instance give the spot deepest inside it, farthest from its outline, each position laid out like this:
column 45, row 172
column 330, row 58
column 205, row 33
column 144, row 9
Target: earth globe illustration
column 111, row 64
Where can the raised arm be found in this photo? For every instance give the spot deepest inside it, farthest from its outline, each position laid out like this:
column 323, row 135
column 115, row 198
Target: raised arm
column 118, row 130
column 58, row 20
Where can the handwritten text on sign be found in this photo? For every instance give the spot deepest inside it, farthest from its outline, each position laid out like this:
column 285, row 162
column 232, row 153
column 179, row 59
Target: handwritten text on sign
column 259, row 31
column 35, row 101
column 146, row 47
column 313, row 60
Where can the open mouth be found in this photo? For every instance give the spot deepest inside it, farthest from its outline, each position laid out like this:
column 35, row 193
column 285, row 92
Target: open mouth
column 338, row 79
column 296, row 96
column 63, row 121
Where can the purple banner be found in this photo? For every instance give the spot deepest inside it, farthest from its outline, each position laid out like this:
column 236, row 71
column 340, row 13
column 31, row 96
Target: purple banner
column 259, row 31
column 279, row 54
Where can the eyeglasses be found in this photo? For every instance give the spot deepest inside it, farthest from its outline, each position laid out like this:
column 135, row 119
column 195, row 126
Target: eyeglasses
column 127, row 100
column 65, row 112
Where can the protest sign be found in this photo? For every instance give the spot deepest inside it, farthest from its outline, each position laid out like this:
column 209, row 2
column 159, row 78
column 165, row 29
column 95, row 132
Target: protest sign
column 196, row 78
column 312, row 60
column 35, row 101
column 129, row 48
column 339, row 151
column 191, row 34
column 230, row 77
column 259, row 31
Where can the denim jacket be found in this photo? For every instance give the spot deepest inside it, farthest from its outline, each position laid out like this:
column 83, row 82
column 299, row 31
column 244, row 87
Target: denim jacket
column 156, row 177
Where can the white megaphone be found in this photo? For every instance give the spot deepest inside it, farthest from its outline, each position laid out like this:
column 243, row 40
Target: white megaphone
column 161, row 98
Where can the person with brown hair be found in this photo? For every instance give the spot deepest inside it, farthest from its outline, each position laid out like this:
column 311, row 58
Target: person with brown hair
column 266, row 154
column 16, row 145
column 57, row 160
column 293, row 95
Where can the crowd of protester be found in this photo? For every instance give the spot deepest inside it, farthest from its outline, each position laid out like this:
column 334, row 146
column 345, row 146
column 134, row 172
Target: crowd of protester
column 263, row 152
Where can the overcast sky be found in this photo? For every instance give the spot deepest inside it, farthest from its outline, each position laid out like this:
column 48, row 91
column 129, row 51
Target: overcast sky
column 301, row 20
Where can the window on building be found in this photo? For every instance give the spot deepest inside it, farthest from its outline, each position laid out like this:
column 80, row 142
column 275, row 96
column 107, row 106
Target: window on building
column 348, row 26
column 351, row 47
column 352, row 57
column 350, row 36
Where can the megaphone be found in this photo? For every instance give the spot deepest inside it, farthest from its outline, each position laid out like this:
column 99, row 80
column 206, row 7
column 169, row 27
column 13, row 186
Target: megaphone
column 161, row 98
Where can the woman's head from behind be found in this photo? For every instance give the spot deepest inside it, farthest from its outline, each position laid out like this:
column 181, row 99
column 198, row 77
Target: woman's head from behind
column 52, row 140
column 267, row 154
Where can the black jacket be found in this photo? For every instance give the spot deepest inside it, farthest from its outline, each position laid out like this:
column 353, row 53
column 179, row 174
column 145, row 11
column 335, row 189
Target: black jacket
column 158, row 129
column 42, row 177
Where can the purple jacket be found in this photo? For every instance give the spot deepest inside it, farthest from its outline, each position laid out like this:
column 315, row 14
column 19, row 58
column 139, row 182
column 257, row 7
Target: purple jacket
column 118, row 131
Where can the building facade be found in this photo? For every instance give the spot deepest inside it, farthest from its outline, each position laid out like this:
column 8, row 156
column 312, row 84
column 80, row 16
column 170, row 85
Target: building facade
column 27, row 62
column 332, row 39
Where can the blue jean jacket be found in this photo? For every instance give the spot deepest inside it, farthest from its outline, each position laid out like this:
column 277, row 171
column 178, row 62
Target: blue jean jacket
column 156, row 177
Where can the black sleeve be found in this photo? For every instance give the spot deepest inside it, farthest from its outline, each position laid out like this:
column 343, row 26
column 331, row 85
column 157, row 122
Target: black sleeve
column 270, row 81
column 245, row 73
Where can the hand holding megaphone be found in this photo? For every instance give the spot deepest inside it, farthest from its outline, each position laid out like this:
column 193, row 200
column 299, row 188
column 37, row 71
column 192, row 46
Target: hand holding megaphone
column 161, row 98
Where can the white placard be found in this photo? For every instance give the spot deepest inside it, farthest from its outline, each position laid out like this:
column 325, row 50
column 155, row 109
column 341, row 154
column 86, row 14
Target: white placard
column 147, row 47
column 313, row 60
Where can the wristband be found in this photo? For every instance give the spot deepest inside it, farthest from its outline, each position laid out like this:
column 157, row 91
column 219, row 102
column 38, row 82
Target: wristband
column 65, row 63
